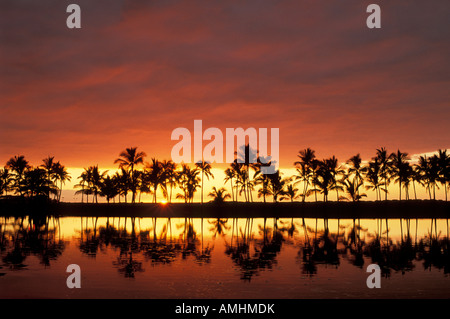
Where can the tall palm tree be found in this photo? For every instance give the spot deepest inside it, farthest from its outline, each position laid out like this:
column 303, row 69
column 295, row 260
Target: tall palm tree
column 62, row 175
column 324, row 179
column 385, row 163
column 305, row 168
column 422, row 170
column 123, row 182
column 155, row 174
column 444, row 170
column 188, row 182
column 129, row 159
column 400, row 169
column 48, row 166
column 357, row 169
column 229, row 175
column 263, row 180
column 205, row 168
column 336, row 170
column 169, row 177
column 276, row 185
column 97, row 181
column 18, row 165
column 373, row 177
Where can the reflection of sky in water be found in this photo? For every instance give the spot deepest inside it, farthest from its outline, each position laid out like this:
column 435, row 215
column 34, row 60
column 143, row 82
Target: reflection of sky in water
column 224, row 258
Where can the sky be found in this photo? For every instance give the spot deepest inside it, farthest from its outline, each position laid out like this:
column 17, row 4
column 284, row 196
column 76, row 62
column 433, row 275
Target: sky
column 136, row 71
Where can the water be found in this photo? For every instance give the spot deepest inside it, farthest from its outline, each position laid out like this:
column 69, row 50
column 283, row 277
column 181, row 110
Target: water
column 223, row 258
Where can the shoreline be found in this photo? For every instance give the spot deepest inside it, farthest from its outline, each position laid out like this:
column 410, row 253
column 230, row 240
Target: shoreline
column 348, row 210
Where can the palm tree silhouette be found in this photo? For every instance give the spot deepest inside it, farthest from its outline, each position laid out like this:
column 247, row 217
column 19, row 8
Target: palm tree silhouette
column 229, row 175
column 305, row 169
column 130, row 158
column 385, row 164
column 219, row 195
column 400, row 169
column 352, row 189
column 357, row 170
column 188, row 182
column 84, row 184
column 18, row 165
column 205, row 168
column 169, row 173
column 444, row 170
column 373, row 177
column 108, row 188
column 155, row 174
column 291, row 193
column 6, row 180
column 62, row 175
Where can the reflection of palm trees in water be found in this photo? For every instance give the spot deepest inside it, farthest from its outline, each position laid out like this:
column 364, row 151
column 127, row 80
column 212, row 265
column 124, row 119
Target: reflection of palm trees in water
column 253, row 255
column 434, row 249
column 34, row 237
column 318, row 249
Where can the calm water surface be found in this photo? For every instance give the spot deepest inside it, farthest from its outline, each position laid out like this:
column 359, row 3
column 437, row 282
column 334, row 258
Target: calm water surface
column 223, row 258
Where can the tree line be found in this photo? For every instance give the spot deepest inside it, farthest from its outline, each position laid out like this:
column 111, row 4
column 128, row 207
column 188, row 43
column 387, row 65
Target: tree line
column 314, row 178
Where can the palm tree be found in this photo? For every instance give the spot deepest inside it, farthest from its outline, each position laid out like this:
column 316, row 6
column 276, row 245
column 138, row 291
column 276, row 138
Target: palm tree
column 18, row 165
column 108, row 188
column 169, row 173
column 188, row 182
column 83, row 184
column 61, row 175
column 385, row 164
column 35, row 183
column 5, row 181
column 400, row 169
column 229, row 175
column 123, row 182
column 373, row 177
column 263, row 180
column 352, row 189
column 97, row 181
column 129, row 159
column 356, row 169
column 155, row 175
column 324, row 179
column 291, row 193
column 336, row 170
column 219, row 195
column 422, row 169
column 304, row 168
column 276, row 185
column 48, row 166
column 205, row 168
column 444, row 170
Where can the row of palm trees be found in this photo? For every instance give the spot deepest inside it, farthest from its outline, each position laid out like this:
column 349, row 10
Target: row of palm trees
column 19, row 177
column 376, row 175
column 313, row 178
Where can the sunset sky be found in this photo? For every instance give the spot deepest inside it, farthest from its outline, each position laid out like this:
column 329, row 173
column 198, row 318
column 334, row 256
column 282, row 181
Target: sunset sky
column 134, row 72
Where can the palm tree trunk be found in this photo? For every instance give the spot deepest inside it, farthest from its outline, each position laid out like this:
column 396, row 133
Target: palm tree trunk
column 202, row 184
column 305, row 188
column 385, row 187
column 232, row 193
